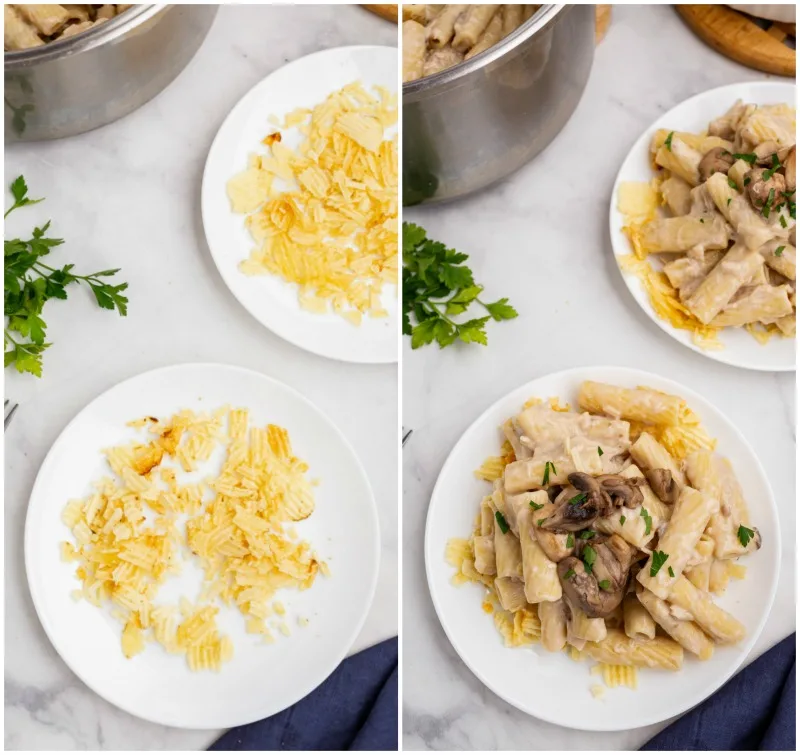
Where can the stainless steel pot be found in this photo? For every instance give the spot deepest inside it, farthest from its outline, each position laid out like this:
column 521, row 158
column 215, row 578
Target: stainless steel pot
column 75, row 85
column 475, row 123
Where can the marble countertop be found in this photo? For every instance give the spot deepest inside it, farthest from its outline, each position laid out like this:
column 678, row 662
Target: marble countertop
column 127, row 196
column 515, row 236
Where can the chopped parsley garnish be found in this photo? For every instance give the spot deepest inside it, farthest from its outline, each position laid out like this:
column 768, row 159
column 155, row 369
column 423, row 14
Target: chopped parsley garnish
column 648, row 521
column 782, row 220
column 570, row 574
column 604, row 584
column 732, row 184
column 668, row 140
column 501, row 520
column 548, row 465
column 748, row 157
column 536, row 506
column 659, row 559
column 589, row 556
column 746, row 180
column 576, row 499
column 671, row 573
column 767, row 174
column 540, row 522
column 622, row 521
column 768, row 203
column 570, row 540
column 729, row 201
column 702, row 221
column 587, row 534
column 599, row 451
column 745, row 535
column 779, row 251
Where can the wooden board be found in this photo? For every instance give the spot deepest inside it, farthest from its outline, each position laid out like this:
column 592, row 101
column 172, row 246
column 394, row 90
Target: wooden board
column 389, row 12
column 738, row 36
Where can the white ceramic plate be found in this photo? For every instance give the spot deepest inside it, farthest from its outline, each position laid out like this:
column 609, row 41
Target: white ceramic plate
column 261, row 679
column 741, row 349
column 272, row 301
column 549, row 685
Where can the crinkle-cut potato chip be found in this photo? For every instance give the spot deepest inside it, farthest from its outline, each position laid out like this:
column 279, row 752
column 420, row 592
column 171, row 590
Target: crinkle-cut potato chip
column 128, row 538
column 333, row 230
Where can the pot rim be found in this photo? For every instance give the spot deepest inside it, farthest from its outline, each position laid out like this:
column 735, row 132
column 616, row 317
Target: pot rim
column 542, row 18
column 88, row 40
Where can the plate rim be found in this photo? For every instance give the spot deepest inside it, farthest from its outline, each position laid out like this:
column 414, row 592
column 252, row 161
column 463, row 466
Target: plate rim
column 631, row 280
column 28, row 545
column 205, row 197
column 689, row 395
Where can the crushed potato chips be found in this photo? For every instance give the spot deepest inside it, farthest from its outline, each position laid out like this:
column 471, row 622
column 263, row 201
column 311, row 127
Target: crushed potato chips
column 128, row 539
column 334, row 230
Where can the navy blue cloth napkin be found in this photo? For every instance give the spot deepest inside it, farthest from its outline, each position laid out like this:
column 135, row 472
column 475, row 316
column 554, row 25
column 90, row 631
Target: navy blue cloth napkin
column 754, row 711
column 355, row 708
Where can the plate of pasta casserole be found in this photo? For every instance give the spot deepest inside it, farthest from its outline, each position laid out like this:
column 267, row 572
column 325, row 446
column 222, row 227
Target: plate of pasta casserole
column 703, row 220
column 602, row 548
column 201, row 546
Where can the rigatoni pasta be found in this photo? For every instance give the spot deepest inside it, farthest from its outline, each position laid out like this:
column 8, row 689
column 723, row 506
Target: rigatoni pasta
column 453, row 33
column 614, row 530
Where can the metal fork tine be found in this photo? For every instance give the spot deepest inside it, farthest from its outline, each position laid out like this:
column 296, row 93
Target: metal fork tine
column 10, row 414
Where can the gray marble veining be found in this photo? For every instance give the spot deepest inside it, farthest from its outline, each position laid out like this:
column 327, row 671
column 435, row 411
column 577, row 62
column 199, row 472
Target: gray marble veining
column 127, row 196
column 541, row 239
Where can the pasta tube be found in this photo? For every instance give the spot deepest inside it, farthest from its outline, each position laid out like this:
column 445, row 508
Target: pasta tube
column 648, row 453
column 439, row 60
column 540, row 573
column 716, row 622
column 683, row 233
column 634, row 404
column 718, row 577
column 554, row 625
column 676, row 193
column 491, row 35
column 48, row 19
column 18, row 34
column 485, row 562
column 512, row 436
column 765, row 304
column 691, row 513
column 681, row 160
column 510, row 593
column 413, row 50
column 781, row 256
column 470, row 24
column 700, row 573
column 686, row 633
column 512, row 18
column 717, row 290
column 639, row 624
column 752, row 230
column 584, row 628
column 619, row 649
column 507, row 554
column 440, row 30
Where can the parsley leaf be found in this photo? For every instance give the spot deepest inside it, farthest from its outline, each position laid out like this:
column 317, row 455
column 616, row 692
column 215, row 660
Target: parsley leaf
column 748, row 157
column 671, row 573
column 30, row 283
column 648, row 521
column 783, row 221
column 570, row 540
column 659, row 559
column 745, row 534
column 576, row 499
column 501, row 521
column 767, row 174
column 668, row 140
column 779, row 251
column 732, row 184
column 540, row 522
column 622, row 520
column 536, row 506
column 588, row 556
column 587, row 534
column 599, row 451
column 548, row 465
column 569, row 574
column 438, row 287
column 604, row 584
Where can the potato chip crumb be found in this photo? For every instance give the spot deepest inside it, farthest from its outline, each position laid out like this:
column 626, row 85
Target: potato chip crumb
column 302, row 621
column 598, row 691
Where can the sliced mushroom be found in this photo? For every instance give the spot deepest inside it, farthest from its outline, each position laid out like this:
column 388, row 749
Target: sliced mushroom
column 624, row 491
column 582, row 590
column 789, row 171
column 571, row 517
column 716, row 160
column 663, row 485
column 612, row 562
column 762, row 192
column 554, row 544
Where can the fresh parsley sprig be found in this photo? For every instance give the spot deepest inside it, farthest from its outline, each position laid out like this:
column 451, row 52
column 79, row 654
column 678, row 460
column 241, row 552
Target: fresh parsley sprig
column 30, row 283
column 438, row 287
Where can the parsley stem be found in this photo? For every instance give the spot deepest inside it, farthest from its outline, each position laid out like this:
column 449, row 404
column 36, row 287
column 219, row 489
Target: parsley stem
column 432, row 304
